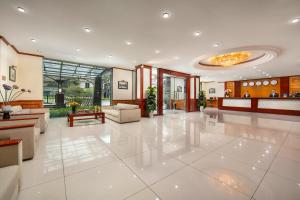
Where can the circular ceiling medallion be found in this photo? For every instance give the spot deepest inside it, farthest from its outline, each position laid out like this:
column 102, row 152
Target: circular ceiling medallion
column 241, row 56
column 274, row 82
column 251, row 83
column 258, row 83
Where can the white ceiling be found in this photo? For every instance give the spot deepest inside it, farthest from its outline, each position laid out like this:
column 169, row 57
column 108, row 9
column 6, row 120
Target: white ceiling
column 57, row 25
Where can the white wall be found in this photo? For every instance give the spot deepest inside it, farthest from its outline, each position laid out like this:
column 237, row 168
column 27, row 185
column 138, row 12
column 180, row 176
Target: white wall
column 31, row 76
column 29, row 71
column 122, row 75
column 217, row 85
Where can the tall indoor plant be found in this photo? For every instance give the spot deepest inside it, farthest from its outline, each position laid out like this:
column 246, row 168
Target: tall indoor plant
column 201, row 100
column 151, row 100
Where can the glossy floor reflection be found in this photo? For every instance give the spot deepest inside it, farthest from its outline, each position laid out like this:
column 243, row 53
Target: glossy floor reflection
column 211, row 155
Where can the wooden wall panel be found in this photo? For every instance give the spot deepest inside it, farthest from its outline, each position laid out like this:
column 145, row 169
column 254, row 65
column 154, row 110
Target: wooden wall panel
column 262, row 90
column 230, row 85
column 26, row 103
column 237, row 89
column 294, row 84
column 284, row 85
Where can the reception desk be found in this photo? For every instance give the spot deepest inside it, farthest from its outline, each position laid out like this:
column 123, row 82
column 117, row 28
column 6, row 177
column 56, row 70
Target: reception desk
column 286, row 106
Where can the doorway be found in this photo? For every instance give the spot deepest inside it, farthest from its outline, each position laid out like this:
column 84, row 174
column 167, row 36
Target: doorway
column 173, row 92
column 174, row 95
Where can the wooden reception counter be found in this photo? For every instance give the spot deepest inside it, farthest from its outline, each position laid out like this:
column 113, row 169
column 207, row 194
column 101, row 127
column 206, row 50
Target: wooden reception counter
column 285, row 106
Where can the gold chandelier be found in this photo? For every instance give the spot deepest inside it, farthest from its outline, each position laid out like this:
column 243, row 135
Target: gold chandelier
column 230, row 59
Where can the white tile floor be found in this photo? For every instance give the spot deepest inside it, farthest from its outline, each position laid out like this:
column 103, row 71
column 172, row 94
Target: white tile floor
column 217, row 155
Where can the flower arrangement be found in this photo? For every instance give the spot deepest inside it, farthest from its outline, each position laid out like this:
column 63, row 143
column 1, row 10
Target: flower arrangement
column 227, row 93
column 97, row 108
column 11, row 93
column 73, row 104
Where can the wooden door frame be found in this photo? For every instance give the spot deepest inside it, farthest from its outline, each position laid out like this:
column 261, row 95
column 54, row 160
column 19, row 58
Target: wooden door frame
column 161, row 72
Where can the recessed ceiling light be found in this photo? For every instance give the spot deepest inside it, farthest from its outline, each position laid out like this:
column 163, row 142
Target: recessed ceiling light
column 157, row 51
column 216, row 44
column 254, row 67
column 166, row 15
column 295, row 20
column 88, row 30
column 33, row 40
column 78, row 50
column 20, row 9
column 197, row 33
column 267, row 74
column 110, row 56
column 128, row 43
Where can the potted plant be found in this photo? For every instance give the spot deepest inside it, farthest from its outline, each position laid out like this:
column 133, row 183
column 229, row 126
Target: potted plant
column 151, row 100
column 73, row 105
column 202, row 100
column 10, row 94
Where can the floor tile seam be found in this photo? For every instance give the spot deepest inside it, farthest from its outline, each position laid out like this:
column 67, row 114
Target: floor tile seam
column 126, row 198
column 242, row 161
column 210, row 176
column 283, row 177
column 213, row 151
column 270, row 165
column 63, row 165
column 125, row 164
column 89, row 168
column 41, row 183
column 165, row 177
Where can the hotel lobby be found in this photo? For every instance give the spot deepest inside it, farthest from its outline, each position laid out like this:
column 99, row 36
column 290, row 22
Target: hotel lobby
column 149, row 100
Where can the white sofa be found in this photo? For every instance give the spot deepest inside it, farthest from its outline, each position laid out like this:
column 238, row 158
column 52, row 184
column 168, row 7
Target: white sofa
column 10, row 168
column 123, row 113
column 42, row 113
column 26, row 129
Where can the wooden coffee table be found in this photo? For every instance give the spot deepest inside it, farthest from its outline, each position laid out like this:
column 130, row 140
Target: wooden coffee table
column 80, row 114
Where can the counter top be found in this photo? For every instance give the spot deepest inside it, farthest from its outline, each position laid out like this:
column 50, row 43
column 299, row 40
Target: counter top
column 287, row 98
column 280, row 105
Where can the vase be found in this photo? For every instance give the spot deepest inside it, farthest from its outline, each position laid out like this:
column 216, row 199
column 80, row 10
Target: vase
column 151, row 114
column 73, row 109
column 6, row 115
column 6, row 111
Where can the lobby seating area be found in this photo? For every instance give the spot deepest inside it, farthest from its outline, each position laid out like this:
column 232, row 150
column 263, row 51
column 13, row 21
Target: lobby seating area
column 149, row 100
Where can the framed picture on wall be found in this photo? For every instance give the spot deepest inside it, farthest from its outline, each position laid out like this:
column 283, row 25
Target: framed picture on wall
column 212, row 90
column 12, row 73
column 123, row 85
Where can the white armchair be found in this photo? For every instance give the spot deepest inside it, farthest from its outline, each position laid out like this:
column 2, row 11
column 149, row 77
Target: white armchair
column 10, row 168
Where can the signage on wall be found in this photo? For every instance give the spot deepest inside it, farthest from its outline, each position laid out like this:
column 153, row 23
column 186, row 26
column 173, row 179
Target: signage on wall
column 123, row 85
